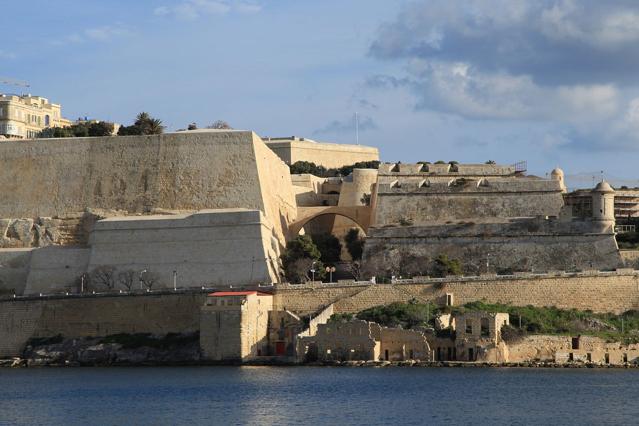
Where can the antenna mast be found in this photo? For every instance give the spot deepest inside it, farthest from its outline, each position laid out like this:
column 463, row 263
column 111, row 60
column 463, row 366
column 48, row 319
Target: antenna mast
column 356, row 128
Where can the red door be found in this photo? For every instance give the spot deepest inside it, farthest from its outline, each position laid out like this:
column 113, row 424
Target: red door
column 280, row 348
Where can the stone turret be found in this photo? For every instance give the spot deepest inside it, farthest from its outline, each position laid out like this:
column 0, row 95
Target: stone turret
column 558, row 175
column 603, row 202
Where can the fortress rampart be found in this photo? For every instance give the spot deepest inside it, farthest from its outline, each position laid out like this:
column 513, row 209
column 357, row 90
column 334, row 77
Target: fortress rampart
column 96, row 316
column 137, row 174
column 178, row 312
column 597, row 291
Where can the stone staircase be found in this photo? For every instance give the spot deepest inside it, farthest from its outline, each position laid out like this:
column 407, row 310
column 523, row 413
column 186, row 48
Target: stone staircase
column 371, row 296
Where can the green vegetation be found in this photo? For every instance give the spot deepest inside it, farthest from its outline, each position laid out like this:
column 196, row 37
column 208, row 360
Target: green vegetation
column 301, row 167
column 79, row 130
column 523, row 319
column 628, row 240
column 144, row 125
column 138, row 340
column 302, row 255
column 444, row 267
column 403, row 315
column 354, row 243
column 329, row 247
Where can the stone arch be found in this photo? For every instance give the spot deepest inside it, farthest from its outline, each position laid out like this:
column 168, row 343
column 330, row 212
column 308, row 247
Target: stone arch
column 361, row 215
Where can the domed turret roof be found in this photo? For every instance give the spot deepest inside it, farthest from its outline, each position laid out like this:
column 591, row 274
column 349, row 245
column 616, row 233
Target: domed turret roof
column 603, row 186
column 557, row 172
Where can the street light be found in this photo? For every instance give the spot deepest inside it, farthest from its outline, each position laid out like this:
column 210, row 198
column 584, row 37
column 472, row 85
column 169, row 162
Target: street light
column 330, row 270
column 174, row 280
column 313, row 271
column 141, row 272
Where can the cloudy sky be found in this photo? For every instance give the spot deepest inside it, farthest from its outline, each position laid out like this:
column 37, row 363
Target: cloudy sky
column 553, row 82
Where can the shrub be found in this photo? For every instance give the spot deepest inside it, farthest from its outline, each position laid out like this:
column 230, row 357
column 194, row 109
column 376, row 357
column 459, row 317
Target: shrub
column 444, row 267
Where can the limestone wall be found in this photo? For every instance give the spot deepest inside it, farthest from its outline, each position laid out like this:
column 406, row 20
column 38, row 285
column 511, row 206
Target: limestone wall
column 56, row 269
column 600, row 292
column 88, row 316
column 14, row 268
column 420, row 208
column 221, row 247
column 481, row 248
column 329, row 155
column 188, row 171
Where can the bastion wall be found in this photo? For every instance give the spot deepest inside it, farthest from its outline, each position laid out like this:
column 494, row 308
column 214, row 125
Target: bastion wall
column 597, row 291
column 96, row 316
column 48, row 178
column 516, row 245
column 329, row 155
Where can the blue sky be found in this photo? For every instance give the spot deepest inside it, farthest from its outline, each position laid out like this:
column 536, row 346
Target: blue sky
column 553, row 82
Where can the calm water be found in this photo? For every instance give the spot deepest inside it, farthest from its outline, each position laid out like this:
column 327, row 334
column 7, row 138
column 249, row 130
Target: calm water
column 304, row 395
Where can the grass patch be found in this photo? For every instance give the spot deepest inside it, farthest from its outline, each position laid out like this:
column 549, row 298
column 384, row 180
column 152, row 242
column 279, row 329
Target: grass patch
column 524, row 319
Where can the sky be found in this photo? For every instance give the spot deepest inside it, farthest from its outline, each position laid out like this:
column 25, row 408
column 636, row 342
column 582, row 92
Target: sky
column 551, row 82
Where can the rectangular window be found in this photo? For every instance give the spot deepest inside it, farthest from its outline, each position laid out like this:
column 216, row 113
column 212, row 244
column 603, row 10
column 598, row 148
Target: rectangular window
column 485, row 330
column 469, row 327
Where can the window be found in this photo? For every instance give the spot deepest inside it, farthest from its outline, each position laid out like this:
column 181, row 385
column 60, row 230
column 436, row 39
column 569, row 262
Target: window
column 575, row 342
column 469, row 326
column 449, row 299
column 485, row 329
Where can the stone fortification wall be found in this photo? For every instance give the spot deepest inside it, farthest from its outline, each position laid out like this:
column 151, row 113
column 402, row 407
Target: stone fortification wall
column 56, row 269
column 600, row 292
column 417, row 205
column 88, row 316
column 516, row 245
column 210, row 247
column 419, row 193
column 477, row 170
column 14, row 269
column 329, row 155
column 188, row 171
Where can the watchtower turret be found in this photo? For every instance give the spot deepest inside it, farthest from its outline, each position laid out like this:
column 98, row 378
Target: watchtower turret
column 603, row 202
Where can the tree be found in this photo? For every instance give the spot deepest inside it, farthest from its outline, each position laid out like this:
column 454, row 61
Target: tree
column 127, row 279
column 149, row 279
column 444, row 266
column 103, row 276
column 192, row 126
column 144, row 125
column 329, row 247
column 300, row 256
column 354, row 243
column 220, row 124
column 100, row 128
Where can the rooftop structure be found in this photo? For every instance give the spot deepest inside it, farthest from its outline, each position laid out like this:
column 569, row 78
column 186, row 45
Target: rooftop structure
column 23, row 117
column 330, row 155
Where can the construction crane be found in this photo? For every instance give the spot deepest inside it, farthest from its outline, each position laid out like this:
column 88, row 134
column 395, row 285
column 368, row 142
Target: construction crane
column 13, row 82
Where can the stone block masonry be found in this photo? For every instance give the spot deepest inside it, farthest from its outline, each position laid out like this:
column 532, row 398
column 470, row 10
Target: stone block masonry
column 96, row 316
column 615, row 292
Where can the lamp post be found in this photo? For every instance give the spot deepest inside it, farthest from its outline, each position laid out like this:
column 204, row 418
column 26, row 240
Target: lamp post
column 313, row 271
column 174, row 280
column 330, row 270
column 141, row 272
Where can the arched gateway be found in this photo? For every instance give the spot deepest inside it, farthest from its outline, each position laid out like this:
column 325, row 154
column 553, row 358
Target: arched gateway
column 361, row 215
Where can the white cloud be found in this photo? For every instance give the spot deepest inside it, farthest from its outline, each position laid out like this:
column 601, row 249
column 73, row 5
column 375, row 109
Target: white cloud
column 104, row 33
column 190, row 10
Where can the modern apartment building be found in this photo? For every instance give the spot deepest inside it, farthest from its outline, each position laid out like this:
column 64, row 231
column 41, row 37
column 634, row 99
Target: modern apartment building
column 23, row 117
